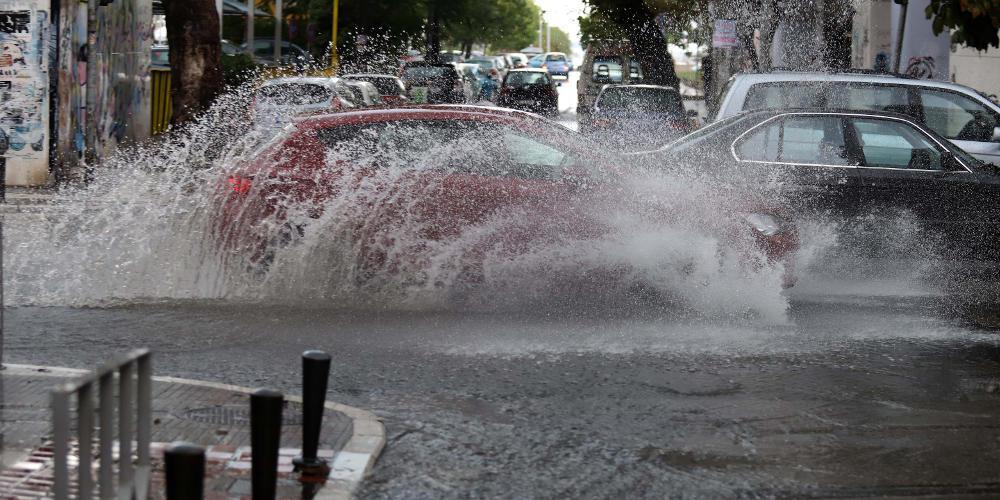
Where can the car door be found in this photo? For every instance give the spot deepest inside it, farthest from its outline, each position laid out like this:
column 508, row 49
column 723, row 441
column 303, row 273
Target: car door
column 803, row 158
column 965, row 121
column 906, row 172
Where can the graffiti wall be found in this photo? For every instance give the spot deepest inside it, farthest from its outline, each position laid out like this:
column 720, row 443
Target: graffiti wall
column 125, row 35
column 24, row 90
column 72, row 83
column 122, row 83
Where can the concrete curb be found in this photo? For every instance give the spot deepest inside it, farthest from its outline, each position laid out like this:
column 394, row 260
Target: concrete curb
column 350, row 465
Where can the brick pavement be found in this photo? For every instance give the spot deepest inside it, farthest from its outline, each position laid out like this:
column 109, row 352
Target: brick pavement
column 211, row 415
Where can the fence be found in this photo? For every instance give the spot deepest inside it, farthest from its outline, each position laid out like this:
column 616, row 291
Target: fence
column 161, row 105
column 135, row 379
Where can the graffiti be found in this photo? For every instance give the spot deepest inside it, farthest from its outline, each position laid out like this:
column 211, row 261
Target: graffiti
column 24, row 86
column 920, row 67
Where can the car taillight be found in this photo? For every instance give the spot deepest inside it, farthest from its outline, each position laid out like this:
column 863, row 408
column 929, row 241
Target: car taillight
column 239, row 185
column 600, row 122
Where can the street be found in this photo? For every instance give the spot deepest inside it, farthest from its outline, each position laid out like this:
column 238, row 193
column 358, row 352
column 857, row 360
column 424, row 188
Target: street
column 858, row 392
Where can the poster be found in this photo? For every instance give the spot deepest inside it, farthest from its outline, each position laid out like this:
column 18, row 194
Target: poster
column 24, row 90
column 724, row 34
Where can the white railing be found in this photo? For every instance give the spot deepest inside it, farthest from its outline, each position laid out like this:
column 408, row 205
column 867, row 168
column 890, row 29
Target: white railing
column 135, row 406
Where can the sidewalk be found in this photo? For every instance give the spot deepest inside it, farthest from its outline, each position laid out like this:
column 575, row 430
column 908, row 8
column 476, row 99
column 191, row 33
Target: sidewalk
column 215, row 416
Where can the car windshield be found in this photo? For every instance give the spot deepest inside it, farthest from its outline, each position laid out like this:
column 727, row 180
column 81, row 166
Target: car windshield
column 385, row 85
column 294, row 94
column 526, row 78
column 556, row 58
column 641, row 100
column 413, row 72
column 484, row 63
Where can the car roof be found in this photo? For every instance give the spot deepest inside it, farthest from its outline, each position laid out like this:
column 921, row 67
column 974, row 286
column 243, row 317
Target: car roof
column 826, row 111
column 439, row 111
column 529, row 70
column 855, row 76
column 369, row 75
column 638, row 86
column 315, row 80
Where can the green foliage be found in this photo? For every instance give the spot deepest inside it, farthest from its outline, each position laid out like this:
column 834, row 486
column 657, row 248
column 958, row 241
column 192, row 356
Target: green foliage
column 504, row 25
column 975, row 23
column 237, row 69
column 560, row 41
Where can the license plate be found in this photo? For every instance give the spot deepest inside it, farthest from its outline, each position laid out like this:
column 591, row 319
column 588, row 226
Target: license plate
column 418, row 95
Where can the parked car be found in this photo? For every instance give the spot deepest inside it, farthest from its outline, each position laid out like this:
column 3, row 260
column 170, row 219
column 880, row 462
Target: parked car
column 160, row 54
column 436, row 83
column 365, row 94
column 291, row 54
column 451, row 56
column 630, row 117
column 848, row 164
column 390, row 88
column 959, row 113
column 520, row 60
column 557, row 63
column 606, row 62
column 529, row 89
column 469, row 164
column 487, row 63
column 279, row 99
column 474, row 79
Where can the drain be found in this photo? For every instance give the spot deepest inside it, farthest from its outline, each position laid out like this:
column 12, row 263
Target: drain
column 236, row 416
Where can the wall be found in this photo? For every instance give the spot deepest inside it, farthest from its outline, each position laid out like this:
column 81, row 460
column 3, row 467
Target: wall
column 71, row 83
column 24, row 90
column 125, row 35
column 979, row 70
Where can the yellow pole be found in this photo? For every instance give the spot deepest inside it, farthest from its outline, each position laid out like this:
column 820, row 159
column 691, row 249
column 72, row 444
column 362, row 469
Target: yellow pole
column 334, row 59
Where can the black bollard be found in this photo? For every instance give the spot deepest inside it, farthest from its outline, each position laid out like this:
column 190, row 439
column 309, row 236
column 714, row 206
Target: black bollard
column 266, row 406
column 315, row 373
column 185, row 471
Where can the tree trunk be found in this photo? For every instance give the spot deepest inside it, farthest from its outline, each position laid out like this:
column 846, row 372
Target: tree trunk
column 433, row 33
column 195, row 56
column 651, row 51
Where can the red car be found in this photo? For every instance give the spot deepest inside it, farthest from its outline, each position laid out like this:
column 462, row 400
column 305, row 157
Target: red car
column 435, row 192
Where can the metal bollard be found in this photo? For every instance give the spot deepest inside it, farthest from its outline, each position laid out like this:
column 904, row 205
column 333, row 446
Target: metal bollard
column 185, row 471
column 315, row 373
column 266, row 406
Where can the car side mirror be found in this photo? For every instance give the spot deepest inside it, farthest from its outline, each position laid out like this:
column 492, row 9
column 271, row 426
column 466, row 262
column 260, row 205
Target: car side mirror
column 558, row 84
column 996, row 134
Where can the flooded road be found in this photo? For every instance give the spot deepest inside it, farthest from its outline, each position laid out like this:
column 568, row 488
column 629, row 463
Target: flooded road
column 855, row 396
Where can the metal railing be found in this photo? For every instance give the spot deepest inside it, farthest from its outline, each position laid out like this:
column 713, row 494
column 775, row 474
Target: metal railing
column 135, row 406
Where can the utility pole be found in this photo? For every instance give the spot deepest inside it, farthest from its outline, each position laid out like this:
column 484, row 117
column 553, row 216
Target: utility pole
column 334, row 57
column 277, row 31
column 548, row 37
column 541, row 20
column 899, row 36
column 90, row 148
column 251, row 7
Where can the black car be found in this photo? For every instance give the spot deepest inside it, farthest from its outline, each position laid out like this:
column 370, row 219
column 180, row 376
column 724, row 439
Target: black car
column 853, row 166
column 434, row 83
column 529, row 89
column 632, row 117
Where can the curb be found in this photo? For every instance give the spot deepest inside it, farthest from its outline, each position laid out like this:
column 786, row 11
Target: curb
column 350, row 465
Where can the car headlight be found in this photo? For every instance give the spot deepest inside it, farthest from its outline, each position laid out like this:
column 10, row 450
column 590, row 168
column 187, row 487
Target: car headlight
column 765, row 224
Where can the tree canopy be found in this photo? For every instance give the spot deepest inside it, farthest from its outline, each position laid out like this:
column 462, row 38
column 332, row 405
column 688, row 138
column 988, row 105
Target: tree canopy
column 975, row 23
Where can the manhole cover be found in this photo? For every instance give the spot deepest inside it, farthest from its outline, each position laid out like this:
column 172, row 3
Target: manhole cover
column 237, row 415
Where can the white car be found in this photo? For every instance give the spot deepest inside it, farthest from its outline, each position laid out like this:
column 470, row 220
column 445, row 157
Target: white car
column 959, row 113
column 279, row 99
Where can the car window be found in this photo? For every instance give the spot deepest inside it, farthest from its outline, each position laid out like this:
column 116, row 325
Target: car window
column 958, row 117
column 895, row 144
column 641, row 100
column 294, row 94
column 526, row 78
column 860, row 97
column 783, row 95
column 635, row 71
column 810, row 140
column 607, row 69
